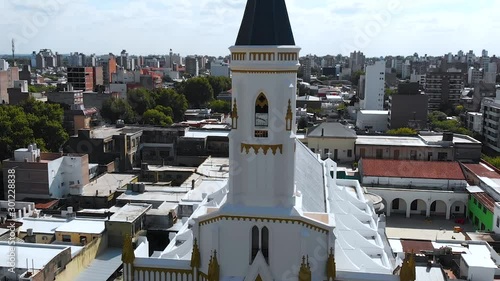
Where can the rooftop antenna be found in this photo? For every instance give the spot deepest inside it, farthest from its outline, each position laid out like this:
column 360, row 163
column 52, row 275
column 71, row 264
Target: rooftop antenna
column 13, row 52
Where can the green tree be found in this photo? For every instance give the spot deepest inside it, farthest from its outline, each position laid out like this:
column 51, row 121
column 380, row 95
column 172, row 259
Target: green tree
column 402, row 131
column 220, row 106
column 155, row 117
column 219, row 84
column 437, row 116
column 459, row 109
column 41, row 89
column 167, row 110
column 389, row 92
column 140, row 100
column 198, row 92
column 117, row 108
column 355, row 77
column 170, row 98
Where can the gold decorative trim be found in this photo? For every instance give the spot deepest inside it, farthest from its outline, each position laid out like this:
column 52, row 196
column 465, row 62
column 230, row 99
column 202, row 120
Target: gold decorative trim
column 289, row 116
column 268, row 220
column 264, row 71
column 331, row 267
column 407, row 271
column 128, row 255
column 265, row 148
column 234, row 115
column 305, row 270
column 261, row 103
column 213, row 268
column 195, row 255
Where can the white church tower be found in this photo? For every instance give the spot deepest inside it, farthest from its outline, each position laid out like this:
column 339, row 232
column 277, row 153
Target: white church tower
column 264, row 64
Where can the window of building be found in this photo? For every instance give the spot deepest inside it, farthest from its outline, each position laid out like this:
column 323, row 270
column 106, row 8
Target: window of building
column 349, row 153
column 395, row 204
column 457, row 208
column 396, row 154
column 255, row 242
column 442, row 156
column 327, row 152
column 413, row 155
column 380, row 153
column 66, row 238
column 265, row 243
column 261, row 111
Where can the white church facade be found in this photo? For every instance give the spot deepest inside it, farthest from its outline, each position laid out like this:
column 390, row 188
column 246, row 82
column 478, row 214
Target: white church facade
column 281, row 215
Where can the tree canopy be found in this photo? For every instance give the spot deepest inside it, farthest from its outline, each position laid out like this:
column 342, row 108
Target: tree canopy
column 31, row 122
column 220, row 106
column 402, row 131
column 156, row 117
column 198, row 91
column 219, row 84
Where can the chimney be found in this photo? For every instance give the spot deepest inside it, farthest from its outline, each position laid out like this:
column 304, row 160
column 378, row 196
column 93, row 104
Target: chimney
column 322, row 132
column 192, row 184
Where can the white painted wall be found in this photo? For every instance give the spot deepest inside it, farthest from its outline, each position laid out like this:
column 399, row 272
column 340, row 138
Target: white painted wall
column 415, row 182
column 62, row 172
column 219, row 70
column 450, row 198
column 374, row 86
column 496, row 218
column 377, row 121
column 341, row 145
column 119, row 88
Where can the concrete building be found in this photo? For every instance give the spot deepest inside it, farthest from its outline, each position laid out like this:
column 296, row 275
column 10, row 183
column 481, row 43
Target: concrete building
column 475, row 122
column 129, row 220
column 332, row 140
column 306, row 69
column 490, row 74
column 490, row 108
column 220, row 69
column 109, row 67
column 192, row 67
column 70, row 97
column 18, row 93
column 372, row 120
column 444, row 88
column 4, row 65
column 25, row 74
column 7, row 79
column 45, row 175
column 424, row 147
column 474, row 76
column 408, row 108
column 81, row 78
column 374, row 87
column 356, row 61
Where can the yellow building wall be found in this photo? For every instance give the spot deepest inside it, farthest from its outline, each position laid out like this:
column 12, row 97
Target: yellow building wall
column 75, row 237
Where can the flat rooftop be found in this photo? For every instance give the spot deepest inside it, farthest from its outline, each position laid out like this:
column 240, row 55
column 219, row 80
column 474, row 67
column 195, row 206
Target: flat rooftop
column 107, row 184
column 83, row 226
column 105, row 132
column 130, row 212
column 38, row 255
column 156, row 194
column 457, row 138
column 161, row 168
column 389, row 141
column 44, row 225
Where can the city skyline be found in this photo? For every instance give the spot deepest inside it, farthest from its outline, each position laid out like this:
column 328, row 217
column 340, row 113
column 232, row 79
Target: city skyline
column 391, row 27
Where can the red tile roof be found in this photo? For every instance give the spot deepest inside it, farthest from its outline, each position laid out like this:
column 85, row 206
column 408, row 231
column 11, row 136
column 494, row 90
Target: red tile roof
column 411, row 169
column 481, row 171
column 46, row 205
column 486, row 200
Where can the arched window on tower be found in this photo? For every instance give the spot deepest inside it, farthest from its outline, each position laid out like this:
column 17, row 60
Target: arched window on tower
column 261, row 116
column 265, row 243
column 255, row 243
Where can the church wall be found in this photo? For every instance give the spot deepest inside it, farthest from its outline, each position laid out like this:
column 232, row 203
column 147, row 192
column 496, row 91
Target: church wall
column 287, row 244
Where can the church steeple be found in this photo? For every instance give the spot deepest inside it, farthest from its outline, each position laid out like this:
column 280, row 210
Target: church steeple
column 265, row 23
column 264, row 64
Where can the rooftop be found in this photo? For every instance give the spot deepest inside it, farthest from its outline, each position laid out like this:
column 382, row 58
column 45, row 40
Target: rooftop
column 83, row 226
column 107, row 184
column 375, row 112
column 332, row 130
column 482, row 170
column 130, row 212
column 41, row 225
column 485, row 200
column 389, row 141
column 202, row 134
column 38, row 255
column 109, row 131
column 411, row 169
column 265, row 22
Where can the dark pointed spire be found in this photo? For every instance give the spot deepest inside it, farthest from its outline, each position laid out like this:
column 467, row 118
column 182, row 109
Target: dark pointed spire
column 265, row 22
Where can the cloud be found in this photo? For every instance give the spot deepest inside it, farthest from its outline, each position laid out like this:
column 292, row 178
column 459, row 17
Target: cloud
column 210, row 26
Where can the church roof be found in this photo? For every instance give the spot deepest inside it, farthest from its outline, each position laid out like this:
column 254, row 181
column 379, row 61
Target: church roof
column 265, row 22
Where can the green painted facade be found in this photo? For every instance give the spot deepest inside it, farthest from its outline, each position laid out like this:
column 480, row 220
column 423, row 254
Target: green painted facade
column 479, row 215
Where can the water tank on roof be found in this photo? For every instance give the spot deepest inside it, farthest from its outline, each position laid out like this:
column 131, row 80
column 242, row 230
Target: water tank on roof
column 447, row 136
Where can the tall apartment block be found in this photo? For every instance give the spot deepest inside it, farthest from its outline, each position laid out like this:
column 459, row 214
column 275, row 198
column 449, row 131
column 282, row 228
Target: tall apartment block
column 192, row 66
column 81, row 78
column 491, row 120
column 374, row 88
column 109, row 67
column 408, row 108
column 444, row 88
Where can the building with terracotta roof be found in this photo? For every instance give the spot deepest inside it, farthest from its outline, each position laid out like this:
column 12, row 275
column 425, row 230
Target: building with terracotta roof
column 417, row 187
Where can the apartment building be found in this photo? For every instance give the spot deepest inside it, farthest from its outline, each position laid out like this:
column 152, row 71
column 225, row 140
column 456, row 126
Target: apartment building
column 444, row 88
column 490, row 109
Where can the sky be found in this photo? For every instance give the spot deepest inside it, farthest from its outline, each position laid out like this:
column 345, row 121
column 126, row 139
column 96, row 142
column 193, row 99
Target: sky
column 209, row 27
